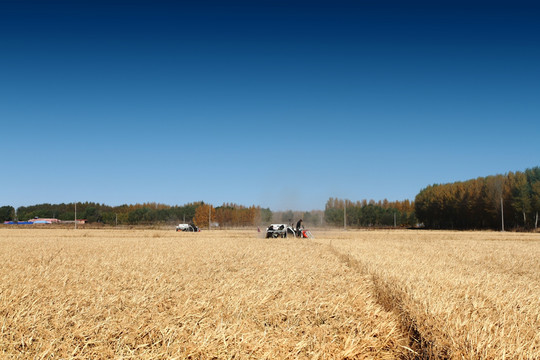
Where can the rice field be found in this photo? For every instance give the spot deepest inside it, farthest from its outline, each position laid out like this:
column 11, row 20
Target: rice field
column 158, row 294
column 465, row 295
column 149, row 294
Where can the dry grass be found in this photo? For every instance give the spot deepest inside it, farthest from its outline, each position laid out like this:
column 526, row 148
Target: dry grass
column 145, row 294
column 465, row 295
column 67, row 294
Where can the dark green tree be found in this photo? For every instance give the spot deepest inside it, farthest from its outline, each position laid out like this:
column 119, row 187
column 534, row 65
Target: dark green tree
column 7, row 213
column 266, row 216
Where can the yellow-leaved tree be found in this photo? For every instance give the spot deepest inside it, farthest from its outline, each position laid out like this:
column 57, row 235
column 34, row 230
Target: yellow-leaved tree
column 203, row 215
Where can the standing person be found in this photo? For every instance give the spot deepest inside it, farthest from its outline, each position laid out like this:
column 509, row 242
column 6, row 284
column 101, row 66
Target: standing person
column 298, row 226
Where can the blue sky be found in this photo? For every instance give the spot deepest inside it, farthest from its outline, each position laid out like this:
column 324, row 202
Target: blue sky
column 282, row 104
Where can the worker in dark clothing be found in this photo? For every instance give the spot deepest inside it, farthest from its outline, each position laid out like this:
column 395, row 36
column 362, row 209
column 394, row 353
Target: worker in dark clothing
column 298, row 228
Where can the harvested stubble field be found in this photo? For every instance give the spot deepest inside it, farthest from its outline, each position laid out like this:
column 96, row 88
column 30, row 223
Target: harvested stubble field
column 160, row 294
column 464, row 295
column 67, row 294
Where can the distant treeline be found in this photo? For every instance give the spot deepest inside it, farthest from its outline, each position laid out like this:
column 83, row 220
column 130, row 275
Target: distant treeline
column 476, row 204
column 473, row 204
column 143, row 214
column 370, row 213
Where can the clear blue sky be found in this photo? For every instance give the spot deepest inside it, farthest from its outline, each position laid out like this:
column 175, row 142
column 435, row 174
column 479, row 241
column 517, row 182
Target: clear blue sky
column 277, row 103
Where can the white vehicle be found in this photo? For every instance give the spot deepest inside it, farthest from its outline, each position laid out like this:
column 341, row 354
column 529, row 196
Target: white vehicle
column 279, row 230
column 187, row 227
column 284, row 230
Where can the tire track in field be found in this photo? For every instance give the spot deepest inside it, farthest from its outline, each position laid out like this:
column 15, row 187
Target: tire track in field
column 392, row 299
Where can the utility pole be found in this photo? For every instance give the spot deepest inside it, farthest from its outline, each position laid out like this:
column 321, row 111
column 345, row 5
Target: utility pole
column 394, row 219
column 502, row 215
column 75, row 215
column 209, row 216
column 116, row 220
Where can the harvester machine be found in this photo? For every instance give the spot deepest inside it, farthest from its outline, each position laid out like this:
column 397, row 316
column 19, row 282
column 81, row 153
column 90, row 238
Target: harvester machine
column 284, row 231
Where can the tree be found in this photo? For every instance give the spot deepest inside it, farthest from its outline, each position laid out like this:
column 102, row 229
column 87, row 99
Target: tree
column 201, row 218
column 521, row 200
column 535, row 201
column 91, row 214
column 266, row 215
column 7, row 213
column 492, row 194
column 333, row 216
column 533, row 178
column 137, row 216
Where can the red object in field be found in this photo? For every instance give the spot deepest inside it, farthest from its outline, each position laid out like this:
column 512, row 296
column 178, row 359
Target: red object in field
column 304, row 234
